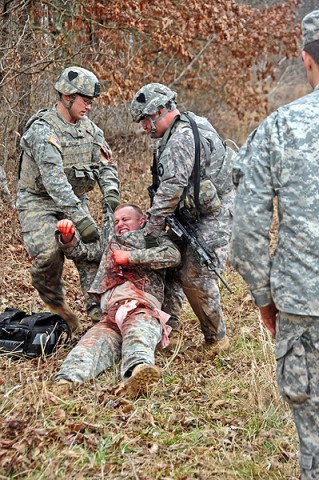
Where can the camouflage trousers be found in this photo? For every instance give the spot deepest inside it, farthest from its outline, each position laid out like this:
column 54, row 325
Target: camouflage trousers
column 38, row 225
column 104, row 344
column 297, row 355
column 200, row 285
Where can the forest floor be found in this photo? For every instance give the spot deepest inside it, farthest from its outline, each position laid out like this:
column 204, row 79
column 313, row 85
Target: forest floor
column 208, row 418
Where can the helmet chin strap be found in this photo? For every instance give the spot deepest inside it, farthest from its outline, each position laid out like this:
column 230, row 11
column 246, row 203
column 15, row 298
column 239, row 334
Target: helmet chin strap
column 69, row 106
column 154, row 122
column 153, row 128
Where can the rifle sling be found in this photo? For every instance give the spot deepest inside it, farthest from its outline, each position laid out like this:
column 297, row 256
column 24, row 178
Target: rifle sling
column 197, row 162
column 197, row 142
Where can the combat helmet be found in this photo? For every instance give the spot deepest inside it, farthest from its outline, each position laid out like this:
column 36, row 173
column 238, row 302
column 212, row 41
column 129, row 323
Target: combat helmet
column 150, row 99
column 73, row 80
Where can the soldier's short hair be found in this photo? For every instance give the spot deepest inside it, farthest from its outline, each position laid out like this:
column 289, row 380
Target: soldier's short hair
column 313, row 50
column 135, row 207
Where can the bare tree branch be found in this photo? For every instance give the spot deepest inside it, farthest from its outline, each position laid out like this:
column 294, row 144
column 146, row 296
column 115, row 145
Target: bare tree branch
column 190, row 65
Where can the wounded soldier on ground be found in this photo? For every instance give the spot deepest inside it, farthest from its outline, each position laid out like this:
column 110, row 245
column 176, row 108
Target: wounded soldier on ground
column 130, row 287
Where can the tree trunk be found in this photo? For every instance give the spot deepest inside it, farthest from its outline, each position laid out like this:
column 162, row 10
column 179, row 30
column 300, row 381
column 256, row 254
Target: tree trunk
column 24, row 79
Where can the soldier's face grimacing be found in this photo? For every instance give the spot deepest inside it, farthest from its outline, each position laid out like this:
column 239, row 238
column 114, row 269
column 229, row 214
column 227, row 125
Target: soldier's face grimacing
column 127, row 219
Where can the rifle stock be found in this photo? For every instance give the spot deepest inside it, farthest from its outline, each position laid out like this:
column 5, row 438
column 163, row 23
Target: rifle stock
column 187, row 232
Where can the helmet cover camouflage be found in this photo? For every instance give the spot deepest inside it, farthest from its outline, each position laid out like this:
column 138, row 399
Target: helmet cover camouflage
column 78, row 80
column 150, row 99
column 310, row 27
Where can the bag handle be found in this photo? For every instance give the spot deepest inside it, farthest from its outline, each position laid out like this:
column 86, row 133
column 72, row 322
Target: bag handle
column 12, row 315
column 43, row 317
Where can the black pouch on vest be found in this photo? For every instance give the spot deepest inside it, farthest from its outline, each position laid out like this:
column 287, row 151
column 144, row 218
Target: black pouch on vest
column 31, row 335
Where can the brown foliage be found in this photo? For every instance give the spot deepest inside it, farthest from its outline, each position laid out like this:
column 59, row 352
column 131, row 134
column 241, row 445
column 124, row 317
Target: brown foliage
column 134, row 42
column 220, row 56
column 220, row 46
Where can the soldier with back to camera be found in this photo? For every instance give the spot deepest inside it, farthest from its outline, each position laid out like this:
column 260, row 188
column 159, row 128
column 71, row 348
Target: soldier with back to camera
column 280, row 160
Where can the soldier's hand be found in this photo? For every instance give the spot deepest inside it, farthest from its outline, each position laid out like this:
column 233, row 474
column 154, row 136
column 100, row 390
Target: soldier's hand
column 66, row 228
column 87, row 230
column 120, row 257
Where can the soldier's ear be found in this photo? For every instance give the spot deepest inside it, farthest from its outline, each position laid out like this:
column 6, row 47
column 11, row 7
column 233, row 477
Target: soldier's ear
column 66, row 98
column 142, row 220
column 307, row 60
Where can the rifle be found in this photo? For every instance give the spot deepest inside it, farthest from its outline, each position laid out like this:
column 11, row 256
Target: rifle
column 155, row 180
column 187, row 232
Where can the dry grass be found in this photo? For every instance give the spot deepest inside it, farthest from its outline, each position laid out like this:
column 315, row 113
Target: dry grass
column 208, row 418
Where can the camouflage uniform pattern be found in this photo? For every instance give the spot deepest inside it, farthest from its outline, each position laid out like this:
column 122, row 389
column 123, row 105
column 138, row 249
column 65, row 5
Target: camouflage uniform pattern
column 149, row 100
column 146, row 268
column 141, row 331
column 60, row 163
column 73, row 80
column 309, row 27
column 298, row 380
column 104, row 345
column 280, row 159
column 273, row 163
column 175, row 162
column 174, row 296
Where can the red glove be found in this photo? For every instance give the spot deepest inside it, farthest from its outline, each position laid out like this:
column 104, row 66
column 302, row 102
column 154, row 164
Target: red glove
column 66, row 228
column 120, row 257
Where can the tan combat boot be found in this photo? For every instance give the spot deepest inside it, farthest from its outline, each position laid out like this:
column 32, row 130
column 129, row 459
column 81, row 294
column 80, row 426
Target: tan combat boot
column 66, row 313
column 141, row 381
column 219, row 346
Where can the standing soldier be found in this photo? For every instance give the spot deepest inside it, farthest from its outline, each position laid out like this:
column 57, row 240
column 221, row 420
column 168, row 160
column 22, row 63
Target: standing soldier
column 63, row 155
column 178, row 177
column 280, row 159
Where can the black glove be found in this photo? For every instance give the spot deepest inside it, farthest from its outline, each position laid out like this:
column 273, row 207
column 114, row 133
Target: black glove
column 180, row 242
column 150, row 241
column 112, row 199
column 88, row 230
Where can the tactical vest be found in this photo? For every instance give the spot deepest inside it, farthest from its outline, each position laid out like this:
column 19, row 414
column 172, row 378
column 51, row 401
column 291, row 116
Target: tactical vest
column 216, row 163
column 80, row 152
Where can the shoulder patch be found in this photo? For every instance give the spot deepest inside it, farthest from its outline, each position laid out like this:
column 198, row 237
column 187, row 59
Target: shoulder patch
column 106, row 151
column 55, row 141
column 160, row 170
column 106, row 155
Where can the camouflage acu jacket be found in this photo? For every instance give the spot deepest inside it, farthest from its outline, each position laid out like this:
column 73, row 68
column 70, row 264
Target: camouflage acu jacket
column 280, row 159
column 61, row 161
column 146, row 269
column 175, row 163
